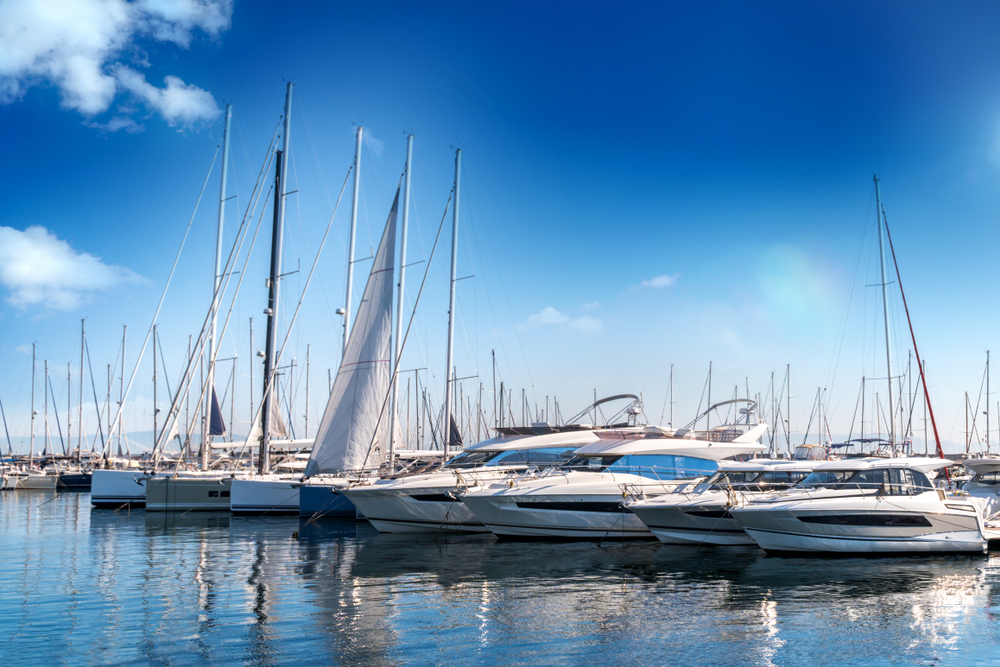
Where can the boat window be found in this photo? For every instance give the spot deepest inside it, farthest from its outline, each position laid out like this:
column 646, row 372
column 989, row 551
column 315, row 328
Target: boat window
column 991, row 477
column 919, row 482
column 731, row 478
column 471, row 459
column 550, row 456
column 590, row 463
column 825, row 478
column 780, row 479
column 663, row 466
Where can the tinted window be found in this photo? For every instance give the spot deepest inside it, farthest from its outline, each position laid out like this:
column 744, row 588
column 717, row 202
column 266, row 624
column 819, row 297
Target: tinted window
column 663, row 466
column 991, row 477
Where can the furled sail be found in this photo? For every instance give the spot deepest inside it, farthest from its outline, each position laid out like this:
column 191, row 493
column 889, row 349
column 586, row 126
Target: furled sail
column 355, row 423
column 217, row 426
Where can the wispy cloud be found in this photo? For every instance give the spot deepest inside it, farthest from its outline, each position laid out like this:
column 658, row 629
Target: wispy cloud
column 41, row 269
column 659, row 282
column 590, row 306
column 23, row 349
column 77, row 46
column 550, row 317
column 376, row 145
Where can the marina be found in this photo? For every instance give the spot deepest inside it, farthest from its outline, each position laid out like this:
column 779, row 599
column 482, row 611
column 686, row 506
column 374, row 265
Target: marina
column 519, row 334
column 212, row 588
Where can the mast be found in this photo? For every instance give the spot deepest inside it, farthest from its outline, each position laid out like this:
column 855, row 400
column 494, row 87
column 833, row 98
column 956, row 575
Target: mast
column 45, row 410
column 788, row 409
column 281, row 170
column 307, row 392
column 154, row 386
column 69, row 403
column 206, row 424
column 671, row 422
column 79, row 419
column 350, row 240
column 885, row 312
column 399, row 299
column 121, row 392
column 987, row 402
column 451, row 305
column 31, row 437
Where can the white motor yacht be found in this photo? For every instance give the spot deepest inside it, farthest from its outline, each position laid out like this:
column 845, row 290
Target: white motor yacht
column 429, row 502
column 984, row 488
column 866, row 506
column 583, row 498
column 701, row 515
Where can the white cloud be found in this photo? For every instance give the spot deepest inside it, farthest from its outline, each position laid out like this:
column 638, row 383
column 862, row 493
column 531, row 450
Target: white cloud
column 550, row 317
column 591, row 305
column 23, row 349
column 40, row 269
column 74, row 45
column 659, row 282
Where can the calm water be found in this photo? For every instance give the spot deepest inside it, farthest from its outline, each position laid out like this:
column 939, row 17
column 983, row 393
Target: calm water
column 83, row 587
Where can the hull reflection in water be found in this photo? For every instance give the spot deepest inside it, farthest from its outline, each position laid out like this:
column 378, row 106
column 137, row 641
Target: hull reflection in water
column 212, row 588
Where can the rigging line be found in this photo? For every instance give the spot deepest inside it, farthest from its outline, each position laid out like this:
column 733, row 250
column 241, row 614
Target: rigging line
column 10, row 448
column 402, row 346
column 93, row 388
column 270, row 381
column 170, row 277
column 503, row 348
column 58, row 425
column 916, row 353
column 197, row 352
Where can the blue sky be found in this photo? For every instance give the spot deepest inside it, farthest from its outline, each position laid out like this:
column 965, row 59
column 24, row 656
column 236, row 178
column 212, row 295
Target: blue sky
column 645, row 185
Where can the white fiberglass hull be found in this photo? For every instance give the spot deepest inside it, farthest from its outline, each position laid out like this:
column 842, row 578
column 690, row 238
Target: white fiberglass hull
column 573, row 505
column 117, row 488
column 415, row 505
column 684, row 520
column 266, row 494
column 187, row 494
column 862, row 530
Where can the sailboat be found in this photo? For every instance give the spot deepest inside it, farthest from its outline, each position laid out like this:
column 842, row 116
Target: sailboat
column 352, row 434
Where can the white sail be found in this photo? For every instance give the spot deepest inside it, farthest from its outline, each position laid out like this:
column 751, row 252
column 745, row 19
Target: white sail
column 355, row 423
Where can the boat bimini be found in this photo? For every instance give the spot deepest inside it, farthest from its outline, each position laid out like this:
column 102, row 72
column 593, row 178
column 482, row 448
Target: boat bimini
column 701, row 515
column 866, row 506
column 583, row 498
column 429, row 502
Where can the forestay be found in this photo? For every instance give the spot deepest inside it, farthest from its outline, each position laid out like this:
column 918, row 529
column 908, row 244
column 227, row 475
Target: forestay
column 355, row 422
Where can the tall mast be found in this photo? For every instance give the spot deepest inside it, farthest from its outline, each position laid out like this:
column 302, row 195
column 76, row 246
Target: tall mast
column 350, row 240
column 399, row 299
column 79, row 417
column 31, row 437
column 155, row 432
column 206, row 425
column 987, row 402
column 69, row 402
column 45, row 410
column 885, row 312
column 270, row 375
column 451, row 306
column 788, row 408
column 307, row 391
column 121, row 391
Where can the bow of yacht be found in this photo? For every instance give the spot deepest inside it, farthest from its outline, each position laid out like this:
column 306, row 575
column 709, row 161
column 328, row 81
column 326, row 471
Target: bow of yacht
column 702, row 515
column 867, row 505
column 583, row 499
column 429, row 502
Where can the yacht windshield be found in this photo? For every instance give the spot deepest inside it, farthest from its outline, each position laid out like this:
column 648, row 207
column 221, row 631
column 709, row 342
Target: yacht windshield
column 825, row 478
column 471, row 459
column 654, row 466
column 755, row 480
column 549, row 456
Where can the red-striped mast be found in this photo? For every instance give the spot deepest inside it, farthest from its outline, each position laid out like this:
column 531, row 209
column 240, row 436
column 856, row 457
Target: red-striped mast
column 930, row 409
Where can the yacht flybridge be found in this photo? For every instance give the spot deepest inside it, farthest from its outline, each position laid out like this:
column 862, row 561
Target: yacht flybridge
column 582, row 499
column 871, row 505
column 702, row 515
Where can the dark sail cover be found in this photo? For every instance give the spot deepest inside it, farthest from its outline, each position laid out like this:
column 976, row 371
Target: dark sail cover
column 217, row 426
column 455, row 437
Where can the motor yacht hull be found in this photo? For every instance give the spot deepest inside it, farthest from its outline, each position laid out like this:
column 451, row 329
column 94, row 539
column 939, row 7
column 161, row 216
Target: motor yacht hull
column 318, row 501
column 267, row 494
column 693, row 525
column 111, row 489
column 37, row 482
column 414, row 510
column 861, row 531
column 75, row 481
column 187, row 494
column 575, row 516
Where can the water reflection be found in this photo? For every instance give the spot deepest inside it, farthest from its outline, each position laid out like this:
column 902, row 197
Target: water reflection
column 107, row 587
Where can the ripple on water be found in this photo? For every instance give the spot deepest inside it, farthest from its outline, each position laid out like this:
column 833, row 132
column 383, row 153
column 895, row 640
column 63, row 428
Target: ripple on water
column 101, row 587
